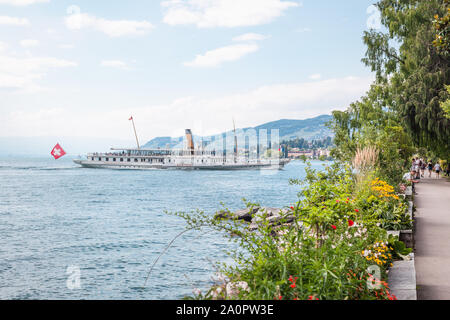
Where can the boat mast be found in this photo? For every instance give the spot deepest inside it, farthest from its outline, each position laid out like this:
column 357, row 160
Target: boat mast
column 134, row 128
column 235, row 142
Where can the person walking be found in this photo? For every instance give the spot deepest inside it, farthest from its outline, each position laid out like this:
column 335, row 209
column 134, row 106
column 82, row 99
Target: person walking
column 437, row 169
column 424, row 166
column 430, row 168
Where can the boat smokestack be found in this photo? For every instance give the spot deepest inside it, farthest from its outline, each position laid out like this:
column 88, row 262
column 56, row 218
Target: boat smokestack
column 190, row 141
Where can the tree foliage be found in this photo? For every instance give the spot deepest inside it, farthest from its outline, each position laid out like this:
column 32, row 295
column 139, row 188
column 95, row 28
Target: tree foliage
column 442, row 26
column 303, row 144
column 407, row 59
column 446, row 105
column 369, row 123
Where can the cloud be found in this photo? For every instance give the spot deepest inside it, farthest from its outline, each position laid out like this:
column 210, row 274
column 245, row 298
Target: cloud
column 13, row 21
column 67, row 46
column 204, row 115
column 22, row 2
column 21, row 74
column 301, row 30
column 112, row 28
column 250, row 37
column 3, row 46
column 218, row 56
column 29, row 43
column 315, row 76
column 114, row 64
column 224, row 13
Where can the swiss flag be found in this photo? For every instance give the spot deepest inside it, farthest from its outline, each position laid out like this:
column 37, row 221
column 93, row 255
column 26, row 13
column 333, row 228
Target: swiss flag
column 57, row 152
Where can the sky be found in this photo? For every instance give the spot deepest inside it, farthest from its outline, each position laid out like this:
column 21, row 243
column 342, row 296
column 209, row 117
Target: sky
column 81, row 68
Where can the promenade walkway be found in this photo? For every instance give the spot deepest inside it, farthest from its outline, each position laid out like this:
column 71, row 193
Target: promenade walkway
column 432, row 239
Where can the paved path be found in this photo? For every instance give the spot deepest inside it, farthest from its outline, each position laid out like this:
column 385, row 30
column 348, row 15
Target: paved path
column 432, row 248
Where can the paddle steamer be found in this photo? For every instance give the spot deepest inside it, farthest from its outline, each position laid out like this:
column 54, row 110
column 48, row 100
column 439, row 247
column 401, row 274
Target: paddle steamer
column 188, row 159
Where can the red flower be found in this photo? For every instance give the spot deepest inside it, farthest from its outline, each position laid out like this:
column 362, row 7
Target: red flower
column 356, row 210
column 337, row 201
column 334, row 227
column 351, row 223
column 293, row 285
column 292, row 208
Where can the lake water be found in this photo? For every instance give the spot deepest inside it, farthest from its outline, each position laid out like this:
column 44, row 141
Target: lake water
column 57, row 218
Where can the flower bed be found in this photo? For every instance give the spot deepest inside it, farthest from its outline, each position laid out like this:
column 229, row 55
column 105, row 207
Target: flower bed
column 332, row 244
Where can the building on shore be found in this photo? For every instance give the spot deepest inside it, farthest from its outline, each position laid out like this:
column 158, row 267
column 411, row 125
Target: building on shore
column 309, row 153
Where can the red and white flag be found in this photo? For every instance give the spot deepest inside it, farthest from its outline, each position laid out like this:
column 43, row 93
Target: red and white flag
column 131, row 118
column 57, row 152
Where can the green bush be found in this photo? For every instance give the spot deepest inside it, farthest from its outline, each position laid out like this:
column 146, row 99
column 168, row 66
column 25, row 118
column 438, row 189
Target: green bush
column 326, row 253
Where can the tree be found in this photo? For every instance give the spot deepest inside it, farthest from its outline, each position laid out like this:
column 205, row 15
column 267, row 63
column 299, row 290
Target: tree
column 369, row 123
column 446, row 105
column 442, row 27
column 407, row 59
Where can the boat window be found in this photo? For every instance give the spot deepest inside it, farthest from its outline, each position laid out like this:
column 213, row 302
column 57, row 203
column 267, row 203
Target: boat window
column 128, row 159
column 114, row 159
column 121, row 159
column 99, row 159
column 107, row 159
column 135, row 160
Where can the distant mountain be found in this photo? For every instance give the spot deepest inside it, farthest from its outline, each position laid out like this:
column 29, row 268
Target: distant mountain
column 308, row 129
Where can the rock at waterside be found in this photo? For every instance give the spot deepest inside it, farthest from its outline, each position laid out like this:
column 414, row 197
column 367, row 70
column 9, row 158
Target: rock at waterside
column 256, row 216
column 273, row 216
column 267, row 213
column 278, row 219
column 244, row 214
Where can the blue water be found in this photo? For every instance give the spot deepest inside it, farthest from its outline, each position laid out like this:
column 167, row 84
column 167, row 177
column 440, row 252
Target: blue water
column 111, row 225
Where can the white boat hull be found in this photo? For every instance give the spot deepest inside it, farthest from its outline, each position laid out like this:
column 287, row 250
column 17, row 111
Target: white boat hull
column 147, row 166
